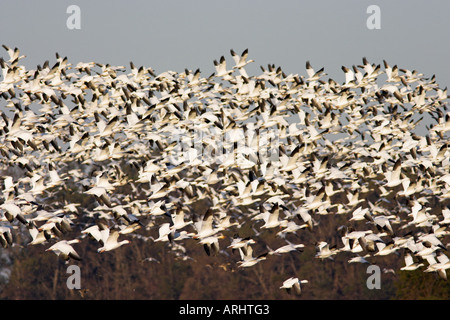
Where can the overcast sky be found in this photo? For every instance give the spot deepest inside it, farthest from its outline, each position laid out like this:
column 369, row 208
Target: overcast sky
column 173, row 35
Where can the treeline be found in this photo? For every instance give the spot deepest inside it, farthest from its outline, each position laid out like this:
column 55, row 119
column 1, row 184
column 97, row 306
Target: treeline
column 147, row 270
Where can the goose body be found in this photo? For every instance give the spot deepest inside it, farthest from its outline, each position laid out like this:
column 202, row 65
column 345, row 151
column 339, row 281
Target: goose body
column 247, row 259
column 64, row 250
column 293, row 285
column 111, row 242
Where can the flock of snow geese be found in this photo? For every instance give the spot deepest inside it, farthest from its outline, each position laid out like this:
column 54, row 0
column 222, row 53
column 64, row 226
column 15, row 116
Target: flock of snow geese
column 176, row 157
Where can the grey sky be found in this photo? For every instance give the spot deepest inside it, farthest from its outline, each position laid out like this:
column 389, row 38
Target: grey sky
column 173, row 35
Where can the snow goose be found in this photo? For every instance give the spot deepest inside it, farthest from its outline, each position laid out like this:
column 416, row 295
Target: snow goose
column 98, row 232
column 430, row 240
column 360, row 214
column 165, row 233
column 64, row 250
column 393, row 176
column 385, row 249
column 131, row 227
column 241, row 243
column 6, row 236
column 221, row 69
column 391, row 72
column 349, row 76
column 289, row 247
column 100, row 194
column 293, row 284
column 247, row 259
column 439, row 267
column 204, row 226
column 211, row 244
column 325, row 251
column 225, row 223
column 313, row 75
column 13, row 211
column 383, row 223
column 410, row 264
column 291, row 227
column 14, row 54
column 240, row 61
column 177, row 219
column 111, row 242
column 38, row 236
column 359, row 259
column 271, row 218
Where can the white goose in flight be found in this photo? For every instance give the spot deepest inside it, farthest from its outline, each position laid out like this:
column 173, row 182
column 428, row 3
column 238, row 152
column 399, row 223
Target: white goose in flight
column 204, row 226
column 293, row 285
column 247, row 259
column 325, row 251
column 13, row 211
column 111, row 242
column 271, row 218
column 410, row 265
column 221, row 69
column 64, row 250
column 6, row 236
column 439, row 267
column 289, row 247
column 242, row 243
column 240, row 61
